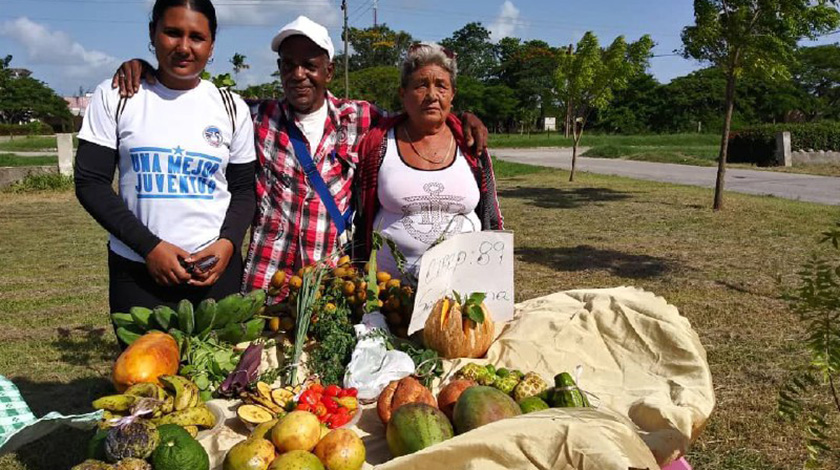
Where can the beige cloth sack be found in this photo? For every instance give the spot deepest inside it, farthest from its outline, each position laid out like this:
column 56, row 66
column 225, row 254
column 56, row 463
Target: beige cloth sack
column 639, row 356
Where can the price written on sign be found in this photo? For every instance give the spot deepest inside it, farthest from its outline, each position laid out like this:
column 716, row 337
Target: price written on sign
column 467, row 263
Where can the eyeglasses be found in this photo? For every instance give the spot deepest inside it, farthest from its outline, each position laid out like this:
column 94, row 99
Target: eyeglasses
column 419, row 45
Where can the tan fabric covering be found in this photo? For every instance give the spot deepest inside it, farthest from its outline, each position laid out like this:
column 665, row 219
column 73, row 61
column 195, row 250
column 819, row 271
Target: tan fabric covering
column 639, row 356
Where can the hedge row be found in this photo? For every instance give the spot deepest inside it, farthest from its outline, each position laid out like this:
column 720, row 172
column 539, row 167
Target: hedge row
column 32, row 128
column 758, row 144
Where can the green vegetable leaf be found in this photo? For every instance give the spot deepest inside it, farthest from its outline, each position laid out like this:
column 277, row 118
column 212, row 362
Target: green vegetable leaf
column 476, row 298
column 475, row 313
column 457, row 297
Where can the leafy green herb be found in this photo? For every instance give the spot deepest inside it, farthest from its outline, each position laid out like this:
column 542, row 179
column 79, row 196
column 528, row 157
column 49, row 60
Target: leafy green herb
column 472, row 307
column 207, row 362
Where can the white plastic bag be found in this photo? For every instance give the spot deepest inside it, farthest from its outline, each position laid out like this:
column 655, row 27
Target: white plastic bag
column 372, row 366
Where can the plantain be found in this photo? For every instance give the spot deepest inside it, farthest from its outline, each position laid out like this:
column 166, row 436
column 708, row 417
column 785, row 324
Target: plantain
column 257, row 399
column 186, row 317
column 122, row 319
column 142, row 317
column 192, row 430
column 118, row 403
column 200, row 416
column 165, row 317
column 185, row 391
column 205, row 316
column 146, row 390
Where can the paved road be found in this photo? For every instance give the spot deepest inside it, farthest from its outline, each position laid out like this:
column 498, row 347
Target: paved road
column 820, row 189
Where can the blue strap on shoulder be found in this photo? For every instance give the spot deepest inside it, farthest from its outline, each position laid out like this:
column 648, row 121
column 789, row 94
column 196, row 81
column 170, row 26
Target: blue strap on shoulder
column 341, row 221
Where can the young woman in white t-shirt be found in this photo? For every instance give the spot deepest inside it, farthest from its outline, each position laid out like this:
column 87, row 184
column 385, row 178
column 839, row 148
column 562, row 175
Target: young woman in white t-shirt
column 185, row 152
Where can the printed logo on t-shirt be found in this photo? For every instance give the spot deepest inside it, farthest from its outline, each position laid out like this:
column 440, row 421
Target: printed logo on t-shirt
column 173, row 173
column 425, row 217
column 213, row 136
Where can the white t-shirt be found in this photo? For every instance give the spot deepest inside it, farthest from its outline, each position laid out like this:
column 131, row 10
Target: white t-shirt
column 174, row 147
column 312, row 126
column 417, row 206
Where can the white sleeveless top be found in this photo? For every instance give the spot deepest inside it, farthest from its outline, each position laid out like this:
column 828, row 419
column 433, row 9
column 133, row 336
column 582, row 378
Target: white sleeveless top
column 417, row 207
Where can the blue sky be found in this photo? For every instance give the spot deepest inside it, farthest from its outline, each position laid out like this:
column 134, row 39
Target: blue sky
column 78, row 43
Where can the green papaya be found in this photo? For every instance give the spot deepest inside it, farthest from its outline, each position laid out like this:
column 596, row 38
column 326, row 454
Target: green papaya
column 141, row 316
column 205, row 316
column 122, row 319
column 165, row 317
column 186, row 317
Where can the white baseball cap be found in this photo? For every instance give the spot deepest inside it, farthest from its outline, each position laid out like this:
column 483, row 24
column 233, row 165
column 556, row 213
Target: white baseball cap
column 305, row 27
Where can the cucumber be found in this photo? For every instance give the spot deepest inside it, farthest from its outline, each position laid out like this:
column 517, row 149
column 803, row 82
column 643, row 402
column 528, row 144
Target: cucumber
column 186, row 317
column 566, row 393
column 141, row 316
column 165, row 317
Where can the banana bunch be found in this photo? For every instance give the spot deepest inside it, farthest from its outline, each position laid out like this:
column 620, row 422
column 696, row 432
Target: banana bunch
column 176, row 402
column 266, row 404
column 232, row 319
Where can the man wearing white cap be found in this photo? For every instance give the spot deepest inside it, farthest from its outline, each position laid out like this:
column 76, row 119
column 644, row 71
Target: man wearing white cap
column 307, row 148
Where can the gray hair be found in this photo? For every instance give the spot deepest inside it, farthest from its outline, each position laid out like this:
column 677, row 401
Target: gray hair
column 428, row 53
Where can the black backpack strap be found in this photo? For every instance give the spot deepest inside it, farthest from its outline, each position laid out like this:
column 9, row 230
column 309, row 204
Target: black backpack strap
column 120, row 108
column 230, row 106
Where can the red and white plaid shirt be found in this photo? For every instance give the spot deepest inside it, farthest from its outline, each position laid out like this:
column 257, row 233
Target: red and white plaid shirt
column 292, row 227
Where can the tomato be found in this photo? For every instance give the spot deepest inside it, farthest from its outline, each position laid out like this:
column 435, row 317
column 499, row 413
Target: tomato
column 343, row 411
column 331, row 404
column 342, row 393
column 317, row 388
column 339, row 420
column 326, row 418
column 319, row 409
column 304, row 407
column 352, row 392
column 332, row 390
column 309, row 397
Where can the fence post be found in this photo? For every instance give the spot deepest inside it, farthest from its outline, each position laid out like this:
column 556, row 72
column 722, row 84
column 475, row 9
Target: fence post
column 783, row 155
column 65, row 153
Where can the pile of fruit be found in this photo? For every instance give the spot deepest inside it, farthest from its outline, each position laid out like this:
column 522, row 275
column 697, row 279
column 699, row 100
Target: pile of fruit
column 233, row 319
column 139, row 444
column 297, row 441
column 176, row 402
column 334, row 406
column 478, row 395
column 348, row 289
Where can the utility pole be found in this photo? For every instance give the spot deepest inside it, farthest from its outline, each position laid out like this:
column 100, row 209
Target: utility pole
column 346, row 53
column 375, row 7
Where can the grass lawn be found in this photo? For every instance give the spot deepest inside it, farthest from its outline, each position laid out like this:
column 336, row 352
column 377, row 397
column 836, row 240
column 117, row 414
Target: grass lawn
column 31, row 143
column 720, row 269
column 9, row 159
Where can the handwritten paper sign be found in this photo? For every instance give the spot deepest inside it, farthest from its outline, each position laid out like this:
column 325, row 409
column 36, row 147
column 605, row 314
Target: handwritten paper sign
column 467, row 263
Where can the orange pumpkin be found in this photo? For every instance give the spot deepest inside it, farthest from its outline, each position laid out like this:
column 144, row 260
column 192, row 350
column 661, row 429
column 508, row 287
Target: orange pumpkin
column 147, row 358
column 452, row 335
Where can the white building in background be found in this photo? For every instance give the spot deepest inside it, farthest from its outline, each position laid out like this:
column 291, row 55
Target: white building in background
column 78, row 104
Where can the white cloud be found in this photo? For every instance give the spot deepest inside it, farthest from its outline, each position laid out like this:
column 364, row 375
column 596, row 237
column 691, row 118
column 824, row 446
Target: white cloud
column 506, row 23
column 56, row 48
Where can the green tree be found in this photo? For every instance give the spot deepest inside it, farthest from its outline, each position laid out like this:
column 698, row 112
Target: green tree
column 476, row 52
column 379, row 85
column 590, row 77
column 528, row 69
column 271, row 90
column 818, row 74
column 238, row 62
column 23, row 99
column 749, row 36
column 377, row 46
column 633, row 109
